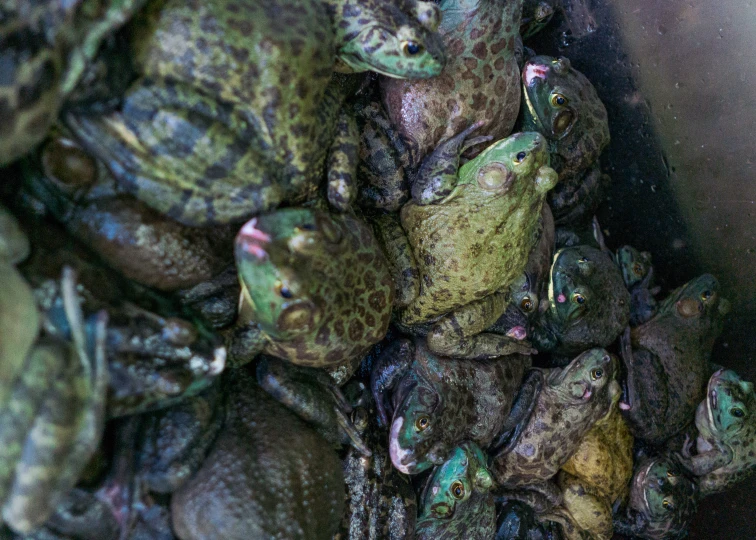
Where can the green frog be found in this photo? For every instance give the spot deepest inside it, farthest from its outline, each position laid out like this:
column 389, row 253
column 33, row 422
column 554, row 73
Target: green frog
column 638, row 273
column 667, row 359
column 536, row 14
column 316, row 289
column 562, row 104
column 662, row 502
column 268, row 474
column 129, row 236
column 48, row 46
column 726, row 434
column 456, row 500
column 465, row 237
column 589, row 305
column 433, row 404
column 570, row 402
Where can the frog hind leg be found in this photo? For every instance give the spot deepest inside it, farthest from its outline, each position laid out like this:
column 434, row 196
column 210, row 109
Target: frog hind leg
column 520, row 413
column 389, row 368
column 461, row 333
column 310, row 394
column 398, row 251
column 342, row 162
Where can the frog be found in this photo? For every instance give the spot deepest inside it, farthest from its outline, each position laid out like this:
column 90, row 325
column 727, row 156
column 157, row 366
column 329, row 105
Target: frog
column 456, row 500
column 55, row 409
column 518, row 521
column 380, row 501
column 662, row 501
column 571, row 400
column 48, row 47
column 667, row 359
column 576, row 198
column 316, row 290
column 442, row 271
column 433, row 403
column 725, row 434
column 589, row 305
column 536, row 14
column 562, row 104
column 638, row 274
column 78, row 191
column 267, row 474
column 408, row 119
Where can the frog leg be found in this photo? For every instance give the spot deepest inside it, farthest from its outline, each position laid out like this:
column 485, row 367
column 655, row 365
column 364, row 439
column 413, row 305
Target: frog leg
column 82, row 515
column 520, row 413
column 398, row 251
column 438, row 176
column 342, row 162
column 706, row 462
column 461, row 334
column 543, row 336
column 312, row 396
column 542, row 497
column 389, row 369
column 215, row 300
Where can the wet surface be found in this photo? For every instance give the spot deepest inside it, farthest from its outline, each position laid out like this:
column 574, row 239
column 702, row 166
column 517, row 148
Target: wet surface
column 678, row 79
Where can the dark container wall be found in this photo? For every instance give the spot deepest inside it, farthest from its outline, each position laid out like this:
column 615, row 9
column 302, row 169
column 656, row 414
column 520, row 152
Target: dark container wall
column 678, row 78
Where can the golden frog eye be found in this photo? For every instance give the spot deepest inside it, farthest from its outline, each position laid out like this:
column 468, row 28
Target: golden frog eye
column 520, row 157
column 597, row 373
column 670, row 474
column 578, row 298
column 457, row 489
column 422, row 423
column 668, row 505
column 412, row 48
column 558, row 100
column 527, row 304
column 638, row 269
column 282, row 290
column 707, row 295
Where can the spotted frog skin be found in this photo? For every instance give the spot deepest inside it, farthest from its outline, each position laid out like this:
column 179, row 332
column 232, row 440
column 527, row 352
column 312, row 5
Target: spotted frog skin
column 570, row 402
column 638, row 274
column 663, row 501
column 465, row 237
column 667, row 360
column 316, row 288
column 433, row 404
column 48, row 46
column 456, row 501
column 726, row 434
column 589, row 305
column 267, row 475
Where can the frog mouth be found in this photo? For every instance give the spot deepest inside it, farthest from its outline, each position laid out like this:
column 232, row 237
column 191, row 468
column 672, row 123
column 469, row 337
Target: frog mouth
column 250, row 238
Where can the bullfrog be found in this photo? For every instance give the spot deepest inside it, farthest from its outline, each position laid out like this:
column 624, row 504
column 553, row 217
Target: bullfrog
column 433, row 404
column 268, row 474
column 128, row 235
column 456, row 500
column 667, row 359
column 570, row 402
column 562, row 104
column 47, row 46
column 316, row 289
column 518, row 521
column 726, row 439
column 465, row 237
column 638, row 273
column 536, row 14
column 662, row 502
column 589, row 305
column 54, row 409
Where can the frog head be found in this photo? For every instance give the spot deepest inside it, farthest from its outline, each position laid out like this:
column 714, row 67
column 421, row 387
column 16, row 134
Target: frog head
column 633, row 264
column 395, row 40
column 698, row 303
column 586, row 377
column 453, row 482
column 729, row 407
column 536, row 14
column 662, row 494
column 278, row 257
column 415, row 438
column 570, row 293
column 515, row 167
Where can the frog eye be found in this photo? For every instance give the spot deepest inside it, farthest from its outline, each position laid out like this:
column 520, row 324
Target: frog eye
column 412, row 48
column 597, row 373
column 706, row 295
column 668, row 505
column 578, row 298
column 670, row 474
column 308, row 227
column 527, row 304
column 457, row 489
column 558, row 100
column 422, row 423
column 638, row 269
column 283, row 291
column 520, row 157
column 737, row 412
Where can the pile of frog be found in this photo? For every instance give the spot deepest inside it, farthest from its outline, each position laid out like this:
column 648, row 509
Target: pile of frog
column 328, row 269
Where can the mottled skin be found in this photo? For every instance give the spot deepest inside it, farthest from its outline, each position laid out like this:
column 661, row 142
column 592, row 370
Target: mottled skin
column 54, row 412
column 667, row 360
column 517, row 521
column 576, row 198
column 432, row 404
column 47, row 46
column 127, row 234
column 570, row 402
column 268, row 475
column 638, row 274
column 465, row 237
column 726, row 441
column 536, row 14
column 316, row 289
column 380, row 501
column 662, row 501
column 456, row 501
column 589, row 305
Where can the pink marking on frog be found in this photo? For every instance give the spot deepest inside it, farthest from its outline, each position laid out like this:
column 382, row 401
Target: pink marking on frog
column 250, row 238
column 517, row 332
column 561, row 299
column 534, row 71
